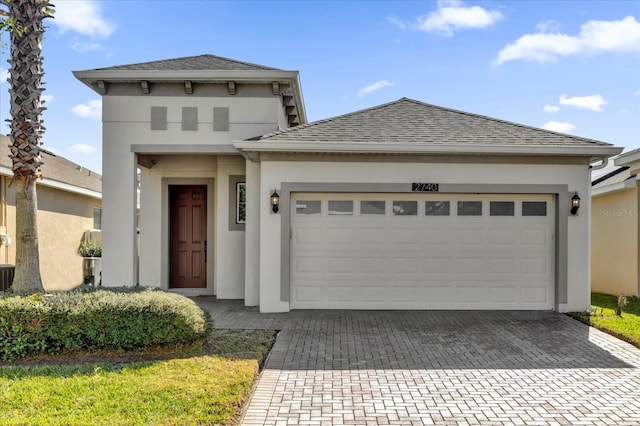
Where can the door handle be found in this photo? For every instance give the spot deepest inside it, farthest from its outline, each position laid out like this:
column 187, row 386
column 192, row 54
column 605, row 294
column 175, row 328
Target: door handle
column 205, row 251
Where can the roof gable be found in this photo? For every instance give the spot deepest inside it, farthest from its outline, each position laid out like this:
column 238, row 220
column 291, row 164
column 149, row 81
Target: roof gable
column 192, row 63
column 407, row 121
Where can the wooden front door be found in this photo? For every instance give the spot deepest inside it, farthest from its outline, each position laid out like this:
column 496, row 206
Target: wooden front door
column 188, row 236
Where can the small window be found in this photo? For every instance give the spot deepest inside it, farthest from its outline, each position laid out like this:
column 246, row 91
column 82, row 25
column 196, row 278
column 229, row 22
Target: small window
column 501, row 208
column 372, row 207
column 241, row 202
column 534, row 208
column 405, row 208
column 469, row 208
column 436, row 208
column 340, row 208
column 306, row 207
column 97, row 218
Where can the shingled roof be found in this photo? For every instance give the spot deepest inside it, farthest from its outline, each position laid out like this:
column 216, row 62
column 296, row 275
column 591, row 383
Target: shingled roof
column 407, row 121
column 57, row 169
column 192, row 63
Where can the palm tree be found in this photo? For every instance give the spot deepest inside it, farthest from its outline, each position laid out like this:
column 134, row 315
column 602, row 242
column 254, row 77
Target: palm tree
column 24, row 21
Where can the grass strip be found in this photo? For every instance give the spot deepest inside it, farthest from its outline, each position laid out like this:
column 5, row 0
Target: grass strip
column 603, row 317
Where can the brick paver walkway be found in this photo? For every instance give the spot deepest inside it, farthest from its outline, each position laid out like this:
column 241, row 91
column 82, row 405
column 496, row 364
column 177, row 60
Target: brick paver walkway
column 437, row 367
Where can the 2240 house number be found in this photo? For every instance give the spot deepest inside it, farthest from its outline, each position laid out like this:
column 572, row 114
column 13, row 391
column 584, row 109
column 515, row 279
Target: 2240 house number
column 424, row 187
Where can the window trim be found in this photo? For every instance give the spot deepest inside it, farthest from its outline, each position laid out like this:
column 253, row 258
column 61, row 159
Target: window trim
column 94, row 219
column 234, row 200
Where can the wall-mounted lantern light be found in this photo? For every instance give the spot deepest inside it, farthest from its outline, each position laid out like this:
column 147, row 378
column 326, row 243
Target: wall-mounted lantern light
column 575, row 204
column 275, row 201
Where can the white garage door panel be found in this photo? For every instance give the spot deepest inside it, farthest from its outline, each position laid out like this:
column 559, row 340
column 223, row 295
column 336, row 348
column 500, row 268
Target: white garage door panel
column 351, row 260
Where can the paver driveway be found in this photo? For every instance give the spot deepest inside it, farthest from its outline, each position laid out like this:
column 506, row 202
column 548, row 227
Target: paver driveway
column 438, row 367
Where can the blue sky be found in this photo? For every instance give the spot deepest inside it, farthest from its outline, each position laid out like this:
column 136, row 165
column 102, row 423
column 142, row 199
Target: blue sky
column 569, row 66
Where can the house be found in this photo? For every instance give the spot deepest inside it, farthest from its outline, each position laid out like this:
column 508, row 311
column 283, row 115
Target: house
column 615, row 228
column 69, row 203
column 405, row 205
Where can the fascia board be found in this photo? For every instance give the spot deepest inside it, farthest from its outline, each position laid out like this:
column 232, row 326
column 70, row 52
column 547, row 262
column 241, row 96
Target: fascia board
column 181, row 75
column 627, row 159
column 381, row 148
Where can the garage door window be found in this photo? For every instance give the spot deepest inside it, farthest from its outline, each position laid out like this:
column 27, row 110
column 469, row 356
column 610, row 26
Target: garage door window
column 372, row 207
column 469, row 208
column 436, row 208
column 405, row 208
column 340, row 208
column 305, row 207
column 534, row 208
column 501, row 208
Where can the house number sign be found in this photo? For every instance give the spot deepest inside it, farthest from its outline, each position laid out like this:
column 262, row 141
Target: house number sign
column 424, row 187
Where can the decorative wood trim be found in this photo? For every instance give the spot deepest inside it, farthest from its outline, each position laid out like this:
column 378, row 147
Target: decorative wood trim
column 275, row 88
column 102, row 87
column 188, row 87
column 232, row 87
column 144, row 84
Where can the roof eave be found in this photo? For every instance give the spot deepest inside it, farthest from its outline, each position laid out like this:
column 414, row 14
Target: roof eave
column 91, row 78
column 251, row 76
column 628, row 158
column 594, row 152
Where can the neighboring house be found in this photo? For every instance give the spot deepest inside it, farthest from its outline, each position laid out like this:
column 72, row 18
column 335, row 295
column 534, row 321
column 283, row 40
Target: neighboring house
column 615, row 228
column 69, row 203
column 401, row 206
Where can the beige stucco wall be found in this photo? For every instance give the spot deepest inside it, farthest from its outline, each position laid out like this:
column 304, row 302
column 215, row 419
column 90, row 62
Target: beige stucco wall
column 614, row 243
column 62, row 219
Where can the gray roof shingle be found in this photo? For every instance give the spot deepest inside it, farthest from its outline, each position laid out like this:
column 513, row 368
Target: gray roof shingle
column 57, row 168
column 191, row 63
column 407, row 121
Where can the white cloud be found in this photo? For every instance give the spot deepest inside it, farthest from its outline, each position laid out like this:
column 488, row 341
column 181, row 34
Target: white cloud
column 595, row 37
column 395, row 20
column 47, row 98
column 83, row 17
column 548, row 26
column 559, row 126
column 593, row 102
column 375, row 86
column 81, row 148
column 92, row 109
column 83, row 46
column 452, row 16
column 4, row 75
column 551, row 108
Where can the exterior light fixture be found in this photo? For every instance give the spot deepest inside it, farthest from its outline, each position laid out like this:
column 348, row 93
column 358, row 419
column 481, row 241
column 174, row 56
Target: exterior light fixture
column 575, row 204
column 275, row 201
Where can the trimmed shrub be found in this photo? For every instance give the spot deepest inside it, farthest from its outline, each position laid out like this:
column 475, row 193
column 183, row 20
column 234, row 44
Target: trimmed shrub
column 121, row 319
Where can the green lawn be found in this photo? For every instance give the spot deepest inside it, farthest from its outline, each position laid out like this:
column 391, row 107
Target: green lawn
column 200, row 385
column 626, row 326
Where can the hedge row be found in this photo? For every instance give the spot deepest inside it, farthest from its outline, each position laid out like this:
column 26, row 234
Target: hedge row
column 125, row 318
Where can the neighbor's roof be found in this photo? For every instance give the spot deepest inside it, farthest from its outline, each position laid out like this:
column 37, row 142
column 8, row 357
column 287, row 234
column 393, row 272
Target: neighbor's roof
column 412, row 126
column 628, row 157
column 57, row 172
column 201, row 62
column 618, row 175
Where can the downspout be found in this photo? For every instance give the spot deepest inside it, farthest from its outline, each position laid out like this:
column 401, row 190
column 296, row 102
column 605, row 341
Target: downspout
column 602, row 165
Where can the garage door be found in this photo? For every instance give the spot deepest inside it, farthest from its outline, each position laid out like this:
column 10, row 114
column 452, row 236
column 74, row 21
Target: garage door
column 422, row 251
